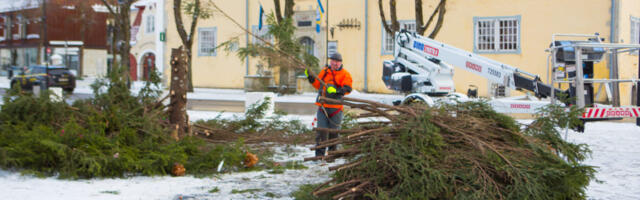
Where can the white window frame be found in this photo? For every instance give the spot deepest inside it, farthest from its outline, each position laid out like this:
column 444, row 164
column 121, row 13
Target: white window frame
column 150, row 26
column 634, row 27
column 6, row 27
column 22, row 27
column 205, row 47
column 388, row 43
column 507, row 42
column 263, row 33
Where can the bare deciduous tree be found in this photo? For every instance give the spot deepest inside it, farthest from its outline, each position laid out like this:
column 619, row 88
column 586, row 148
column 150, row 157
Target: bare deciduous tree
column 122, row 31
column 197, row 11
column 288, row 9
column 421, row 27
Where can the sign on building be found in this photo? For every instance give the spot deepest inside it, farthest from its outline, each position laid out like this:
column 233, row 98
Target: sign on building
column 332, row 47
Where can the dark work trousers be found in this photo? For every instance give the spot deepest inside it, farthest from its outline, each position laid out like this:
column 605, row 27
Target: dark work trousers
column 323, row 122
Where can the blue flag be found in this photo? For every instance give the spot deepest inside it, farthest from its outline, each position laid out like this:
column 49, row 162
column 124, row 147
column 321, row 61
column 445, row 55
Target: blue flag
column 318, row 20
column 320, row 5
column 261, row 14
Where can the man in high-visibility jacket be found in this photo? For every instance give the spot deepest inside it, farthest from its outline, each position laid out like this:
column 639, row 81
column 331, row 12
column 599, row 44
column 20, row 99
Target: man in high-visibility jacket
column 338, row 82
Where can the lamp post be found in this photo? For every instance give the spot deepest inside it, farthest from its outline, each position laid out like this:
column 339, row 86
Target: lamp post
column 45, row 41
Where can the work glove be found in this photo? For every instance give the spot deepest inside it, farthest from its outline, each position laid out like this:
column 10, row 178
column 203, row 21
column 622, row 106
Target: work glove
column 311, row 79
column 331, row 90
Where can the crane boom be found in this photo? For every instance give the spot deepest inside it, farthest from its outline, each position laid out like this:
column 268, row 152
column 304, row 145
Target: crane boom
column 421, row 64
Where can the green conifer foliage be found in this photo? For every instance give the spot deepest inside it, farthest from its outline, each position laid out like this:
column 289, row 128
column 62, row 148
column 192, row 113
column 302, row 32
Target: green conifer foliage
column 114, row 134
column 466, row 151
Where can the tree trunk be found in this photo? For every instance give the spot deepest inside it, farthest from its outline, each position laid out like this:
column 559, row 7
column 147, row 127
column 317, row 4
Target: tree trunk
column 125, row 49
column 189, row 70
column 178, row 93
column 122, row 36
column 278, row 13
column 421, row 27
column 441, row 10
column 187, row 40
column 394, row 26
column 288, row 10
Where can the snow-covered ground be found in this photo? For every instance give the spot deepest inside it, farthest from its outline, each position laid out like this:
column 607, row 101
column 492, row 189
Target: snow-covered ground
column 615, row 148
column 264, row 184
column 616, row 153
column 614, row 145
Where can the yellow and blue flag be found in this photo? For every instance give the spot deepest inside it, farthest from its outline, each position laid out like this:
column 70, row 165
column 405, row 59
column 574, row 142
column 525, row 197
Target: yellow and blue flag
column 319, row 13
column 261, row 14
column 320, row 5
column 318, row 20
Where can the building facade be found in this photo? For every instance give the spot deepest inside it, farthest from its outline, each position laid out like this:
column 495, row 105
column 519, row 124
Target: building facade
column 147, row 49
column 522, row 31
column 75, row 34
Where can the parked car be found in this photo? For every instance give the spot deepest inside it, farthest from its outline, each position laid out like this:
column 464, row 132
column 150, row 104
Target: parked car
column 58, row 76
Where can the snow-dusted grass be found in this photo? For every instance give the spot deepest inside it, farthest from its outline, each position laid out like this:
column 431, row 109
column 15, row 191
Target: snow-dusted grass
column 260, row 184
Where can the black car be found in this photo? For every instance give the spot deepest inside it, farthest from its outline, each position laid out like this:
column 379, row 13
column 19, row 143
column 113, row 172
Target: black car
column 37, row 75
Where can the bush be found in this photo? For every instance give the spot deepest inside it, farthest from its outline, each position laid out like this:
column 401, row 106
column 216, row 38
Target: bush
column 114, row 134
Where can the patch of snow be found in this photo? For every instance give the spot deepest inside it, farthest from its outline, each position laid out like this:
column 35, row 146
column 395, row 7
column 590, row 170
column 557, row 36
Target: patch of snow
column 13, row 5
column 33, row 36
column 195, row 115
column 614, row 146
column 15, row 186
column 84, row 87
column 616, row 155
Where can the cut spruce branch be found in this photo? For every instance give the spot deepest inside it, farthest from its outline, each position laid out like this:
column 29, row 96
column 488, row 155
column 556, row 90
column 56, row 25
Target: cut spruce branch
column 300, row 64
column 430, row 153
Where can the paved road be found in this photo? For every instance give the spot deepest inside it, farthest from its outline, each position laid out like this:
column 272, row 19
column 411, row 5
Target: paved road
column 220, row 105
column 238, row 106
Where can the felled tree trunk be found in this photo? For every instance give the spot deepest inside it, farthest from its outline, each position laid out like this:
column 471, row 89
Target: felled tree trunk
column 178, row 107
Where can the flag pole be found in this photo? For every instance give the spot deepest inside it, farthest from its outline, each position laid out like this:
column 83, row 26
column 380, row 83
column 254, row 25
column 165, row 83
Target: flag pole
column 326, row 31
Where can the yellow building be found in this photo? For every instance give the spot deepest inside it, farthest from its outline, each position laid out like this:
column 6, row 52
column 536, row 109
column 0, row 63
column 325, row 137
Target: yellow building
column 147, row 48
column 364, row 45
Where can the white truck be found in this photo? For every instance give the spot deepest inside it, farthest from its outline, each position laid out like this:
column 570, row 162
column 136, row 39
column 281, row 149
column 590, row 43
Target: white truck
column 423, row 69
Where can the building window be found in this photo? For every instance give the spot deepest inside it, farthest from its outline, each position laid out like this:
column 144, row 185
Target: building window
column 4, row 28
column 388, row 39
column 8, row 27
column 635, row 28
column 150, row 24
column 22, row 27
column 262, row 33
column 309, row 45
column 304, row 23
column 207, row 41
column 497, row 34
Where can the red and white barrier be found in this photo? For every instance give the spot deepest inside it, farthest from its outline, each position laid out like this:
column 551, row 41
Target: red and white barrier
column 602, row 113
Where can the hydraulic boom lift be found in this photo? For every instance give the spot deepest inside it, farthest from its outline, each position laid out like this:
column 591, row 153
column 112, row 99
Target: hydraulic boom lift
column 423, row 68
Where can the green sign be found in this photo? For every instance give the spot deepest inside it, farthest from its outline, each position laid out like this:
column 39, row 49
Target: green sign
column 163, row 36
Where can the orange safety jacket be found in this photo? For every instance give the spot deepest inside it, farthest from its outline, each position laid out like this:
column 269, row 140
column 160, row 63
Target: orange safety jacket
column 340, row 79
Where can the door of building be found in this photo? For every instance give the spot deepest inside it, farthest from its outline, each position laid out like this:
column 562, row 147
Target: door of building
column 148, row 65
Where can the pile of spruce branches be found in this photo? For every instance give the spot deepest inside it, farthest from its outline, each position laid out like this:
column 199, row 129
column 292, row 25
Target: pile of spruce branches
column 455, row 151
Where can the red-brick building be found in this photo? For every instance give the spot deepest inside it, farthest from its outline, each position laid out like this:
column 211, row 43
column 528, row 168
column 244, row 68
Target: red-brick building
column 75, row 34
